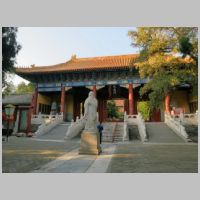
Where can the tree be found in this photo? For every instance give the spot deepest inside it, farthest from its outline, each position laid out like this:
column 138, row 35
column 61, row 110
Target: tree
column 10, row 49
column 144, row 109
column 168, row 58
column 9, row 89
column 22, row 88
column 112, row 109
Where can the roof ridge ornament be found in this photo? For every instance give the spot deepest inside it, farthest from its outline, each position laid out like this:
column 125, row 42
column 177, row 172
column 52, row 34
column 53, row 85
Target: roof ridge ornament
column 73, row 57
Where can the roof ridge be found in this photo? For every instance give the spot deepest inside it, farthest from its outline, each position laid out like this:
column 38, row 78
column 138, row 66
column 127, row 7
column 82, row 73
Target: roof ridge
column 83, row 59
column 112, row 56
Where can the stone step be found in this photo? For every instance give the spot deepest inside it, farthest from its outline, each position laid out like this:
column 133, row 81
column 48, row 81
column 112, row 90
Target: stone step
column 119, row 128
column 118, row 136
column 107, row 135
column 63, row 124
column 118, row 132
column 134, row 133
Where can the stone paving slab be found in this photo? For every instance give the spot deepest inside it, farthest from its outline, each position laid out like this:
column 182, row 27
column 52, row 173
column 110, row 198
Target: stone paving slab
column 68, row 163
column 151, row 158
column 72, row 162
column 22, row 155
column 101, row 164
column 59, row 156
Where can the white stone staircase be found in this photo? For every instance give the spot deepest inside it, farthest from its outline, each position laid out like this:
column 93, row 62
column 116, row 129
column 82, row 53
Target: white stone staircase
column 119, row 130
column 107, row 133
column 113, row 132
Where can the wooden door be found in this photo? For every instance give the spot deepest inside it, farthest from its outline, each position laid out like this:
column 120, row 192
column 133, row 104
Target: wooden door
column 23, row 120
column 155, row 116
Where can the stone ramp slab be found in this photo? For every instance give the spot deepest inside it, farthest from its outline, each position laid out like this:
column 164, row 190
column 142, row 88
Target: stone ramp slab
column 161, row 133
column 57, row 133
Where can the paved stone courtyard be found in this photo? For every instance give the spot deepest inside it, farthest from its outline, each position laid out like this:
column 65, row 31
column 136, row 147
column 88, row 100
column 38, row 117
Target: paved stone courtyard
column 155, row 158
column 23, row 155
column 26, row 154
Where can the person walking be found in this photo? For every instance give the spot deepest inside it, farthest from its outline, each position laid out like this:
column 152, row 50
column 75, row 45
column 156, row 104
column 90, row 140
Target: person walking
column 100, row 129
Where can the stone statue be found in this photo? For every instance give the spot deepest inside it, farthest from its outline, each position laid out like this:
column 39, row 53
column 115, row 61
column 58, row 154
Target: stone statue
column 90, row 139
column 87, row 126
column 90, row 115
column 86, row 123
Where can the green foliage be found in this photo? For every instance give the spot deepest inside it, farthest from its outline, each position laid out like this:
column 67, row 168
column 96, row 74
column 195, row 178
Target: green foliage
column 10, row 49
column 22, row 88
column 8, row 89
column 112, row 109
column 168, row 58
column 144, row 109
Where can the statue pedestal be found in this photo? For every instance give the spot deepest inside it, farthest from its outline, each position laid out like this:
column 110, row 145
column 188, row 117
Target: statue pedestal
column 90, row 143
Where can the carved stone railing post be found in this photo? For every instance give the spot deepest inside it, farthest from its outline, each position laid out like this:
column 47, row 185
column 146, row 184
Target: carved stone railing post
column 125, row 134
column 141, row 128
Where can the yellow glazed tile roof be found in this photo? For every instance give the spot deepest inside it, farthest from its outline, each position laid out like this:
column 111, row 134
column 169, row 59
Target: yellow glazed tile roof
column 80, row 64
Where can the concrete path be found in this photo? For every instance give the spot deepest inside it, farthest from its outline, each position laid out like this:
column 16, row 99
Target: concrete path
column 161, row 133
column 57, row 133
column 72, row 162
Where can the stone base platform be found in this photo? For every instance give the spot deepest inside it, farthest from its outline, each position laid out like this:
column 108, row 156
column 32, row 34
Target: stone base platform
column 90, row 143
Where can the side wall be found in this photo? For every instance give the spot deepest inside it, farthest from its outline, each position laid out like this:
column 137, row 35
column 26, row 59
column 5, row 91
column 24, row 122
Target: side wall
column 180, row 99
column 44, row 100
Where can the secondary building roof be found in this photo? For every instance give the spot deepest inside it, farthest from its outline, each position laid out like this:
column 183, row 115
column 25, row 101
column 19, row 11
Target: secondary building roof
column 83, row 64
column 18, row 99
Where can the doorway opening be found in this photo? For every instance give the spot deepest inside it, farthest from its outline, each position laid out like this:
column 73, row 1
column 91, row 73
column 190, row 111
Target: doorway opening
column 115, row 109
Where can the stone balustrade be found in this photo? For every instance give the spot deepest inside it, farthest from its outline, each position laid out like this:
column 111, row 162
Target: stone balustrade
column 76, row 127
column 125, row 134
column 136, row 120
column 191, row 118
column 141, row 128
column 41, row 118
column 176, row 126
column 47, row 122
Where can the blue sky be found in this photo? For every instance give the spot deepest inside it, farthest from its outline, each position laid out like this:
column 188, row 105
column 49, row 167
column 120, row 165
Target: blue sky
column 48, row 46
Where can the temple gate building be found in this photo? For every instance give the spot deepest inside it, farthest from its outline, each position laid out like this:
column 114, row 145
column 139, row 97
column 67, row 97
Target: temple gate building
column 110, row 77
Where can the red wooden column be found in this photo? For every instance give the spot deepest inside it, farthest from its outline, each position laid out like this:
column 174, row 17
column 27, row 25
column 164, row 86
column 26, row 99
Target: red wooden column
column 167, row 102
column 104, row 106
column 62, row 103
column 94, row 89
column 35, row 97
column 130, row 98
